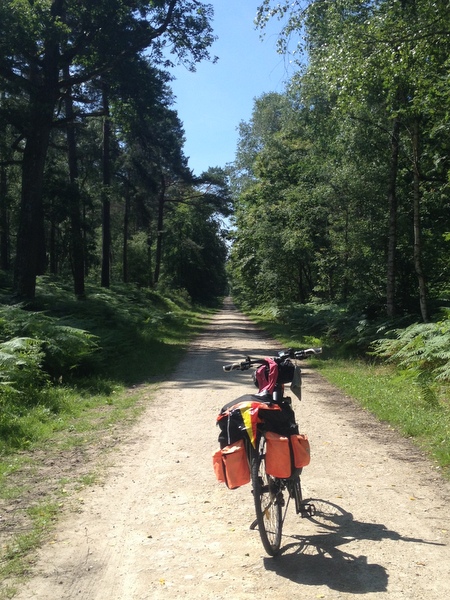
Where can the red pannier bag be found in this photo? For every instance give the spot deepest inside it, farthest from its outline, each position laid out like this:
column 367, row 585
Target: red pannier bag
column 231, row 465
column 218, row 466
column 300, row 450
column 278, row 455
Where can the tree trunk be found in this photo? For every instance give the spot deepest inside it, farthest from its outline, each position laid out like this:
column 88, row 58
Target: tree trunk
column 4, row 220
column 126, row 221
column 392, row 231
column 30, row 234
column 76, row 236
column 4, row 213
column 106, row 202
column 151, row 283
column 159, row 232
column 417, row 226
column 52, row 252
column 44, row 92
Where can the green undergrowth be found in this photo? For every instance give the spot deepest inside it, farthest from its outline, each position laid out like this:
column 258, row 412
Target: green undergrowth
column 61, row 358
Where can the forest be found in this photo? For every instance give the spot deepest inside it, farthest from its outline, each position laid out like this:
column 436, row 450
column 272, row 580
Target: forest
column 94, row 184
column 334, row 215
column 343, row 180
column 331, row 227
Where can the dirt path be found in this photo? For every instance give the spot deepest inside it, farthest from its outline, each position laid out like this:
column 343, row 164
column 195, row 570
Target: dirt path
column 161, row 527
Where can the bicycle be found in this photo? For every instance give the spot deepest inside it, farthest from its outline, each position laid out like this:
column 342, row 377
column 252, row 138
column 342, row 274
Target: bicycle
column 269, row 413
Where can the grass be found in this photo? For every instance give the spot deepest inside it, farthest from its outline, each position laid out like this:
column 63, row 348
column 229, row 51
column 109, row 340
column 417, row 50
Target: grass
column 16, row 555
column 396, row 399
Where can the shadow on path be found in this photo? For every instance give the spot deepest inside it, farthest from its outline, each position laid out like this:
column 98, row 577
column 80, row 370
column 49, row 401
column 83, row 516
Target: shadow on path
column 319, row 559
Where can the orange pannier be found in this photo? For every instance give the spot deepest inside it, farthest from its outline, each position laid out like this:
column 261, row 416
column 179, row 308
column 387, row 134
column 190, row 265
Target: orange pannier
column 278, row 455
column 219, row 469
column 300, row 450
column 231, row 465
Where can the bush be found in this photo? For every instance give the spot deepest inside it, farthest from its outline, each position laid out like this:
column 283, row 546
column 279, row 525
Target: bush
column 62, row 348
column 20, row 367
column 422, row 350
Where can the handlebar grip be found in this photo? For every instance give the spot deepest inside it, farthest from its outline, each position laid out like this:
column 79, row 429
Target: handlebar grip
column 233, row 367
column 299, row 354
column 239, row 366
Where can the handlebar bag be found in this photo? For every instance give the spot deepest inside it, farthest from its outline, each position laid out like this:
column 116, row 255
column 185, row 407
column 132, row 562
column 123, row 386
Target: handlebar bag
column 300, row 450
column 266, row 376
column 286, row 370
column 231, row 465
column 278, row 455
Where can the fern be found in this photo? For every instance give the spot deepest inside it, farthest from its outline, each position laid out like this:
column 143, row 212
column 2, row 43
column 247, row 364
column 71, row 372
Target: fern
column 21, row 368
column 64, row 347
column 423, row 349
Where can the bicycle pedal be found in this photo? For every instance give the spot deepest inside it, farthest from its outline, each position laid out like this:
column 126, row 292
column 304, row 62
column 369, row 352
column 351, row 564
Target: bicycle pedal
column 307, row 510
column 280, row 500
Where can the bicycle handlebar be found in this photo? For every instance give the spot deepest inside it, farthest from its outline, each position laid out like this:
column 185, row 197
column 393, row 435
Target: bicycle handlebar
column 249, row 362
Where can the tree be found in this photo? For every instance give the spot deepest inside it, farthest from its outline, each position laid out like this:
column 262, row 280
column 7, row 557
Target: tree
column 41, row 42
column 196, row 240
column 383, row 62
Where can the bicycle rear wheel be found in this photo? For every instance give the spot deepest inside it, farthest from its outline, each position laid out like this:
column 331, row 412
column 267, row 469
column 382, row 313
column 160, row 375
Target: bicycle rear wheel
column 268, row 499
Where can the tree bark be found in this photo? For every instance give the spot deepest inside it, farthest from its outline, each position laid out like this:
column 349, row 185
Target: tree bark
column 30, row 255
column 392, row 228
column 4, row 220
column 159, row 232
column 76, row 233
column 126, row 222
column 30, row 234
column 417, row 226
column 106, row 202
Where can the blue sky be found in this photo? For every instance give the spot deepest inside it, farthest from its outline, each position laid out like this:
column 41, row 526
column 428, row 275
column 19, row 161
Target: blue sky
column 213, row 101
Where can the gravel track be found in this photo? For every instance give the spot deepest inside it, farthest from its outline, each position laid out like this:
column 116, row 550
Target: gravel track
column 159, row 526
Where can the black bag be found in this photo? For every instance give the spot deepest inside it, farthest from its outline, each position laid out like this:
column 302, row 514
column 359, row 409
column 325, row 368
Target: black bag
column 281, row 422
column 286, row 371
column 231, row 422
column 233, row 426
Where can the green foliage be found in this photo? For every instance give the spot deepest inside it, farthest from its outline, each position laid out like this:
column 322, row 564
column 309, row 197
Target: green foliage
column 78, row 353
column 423, row 351
column 138, row 263
column 21, row 366
column 62, row 348
column 316, row 172
column 195, row 253
column 340, row 328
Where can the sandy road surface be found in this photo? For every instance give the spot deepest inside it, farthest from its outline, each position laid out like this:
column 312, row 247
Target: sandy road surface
column 161, row 527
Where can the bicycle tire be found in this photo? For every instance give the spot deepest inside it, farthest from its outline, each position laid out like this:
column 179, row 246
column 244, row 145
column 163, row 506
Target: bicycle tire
column 268, row 499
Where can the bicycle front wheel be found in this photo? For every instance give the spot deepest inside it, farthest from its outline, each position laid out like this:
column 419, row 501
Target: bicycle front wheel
column 268, row 500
